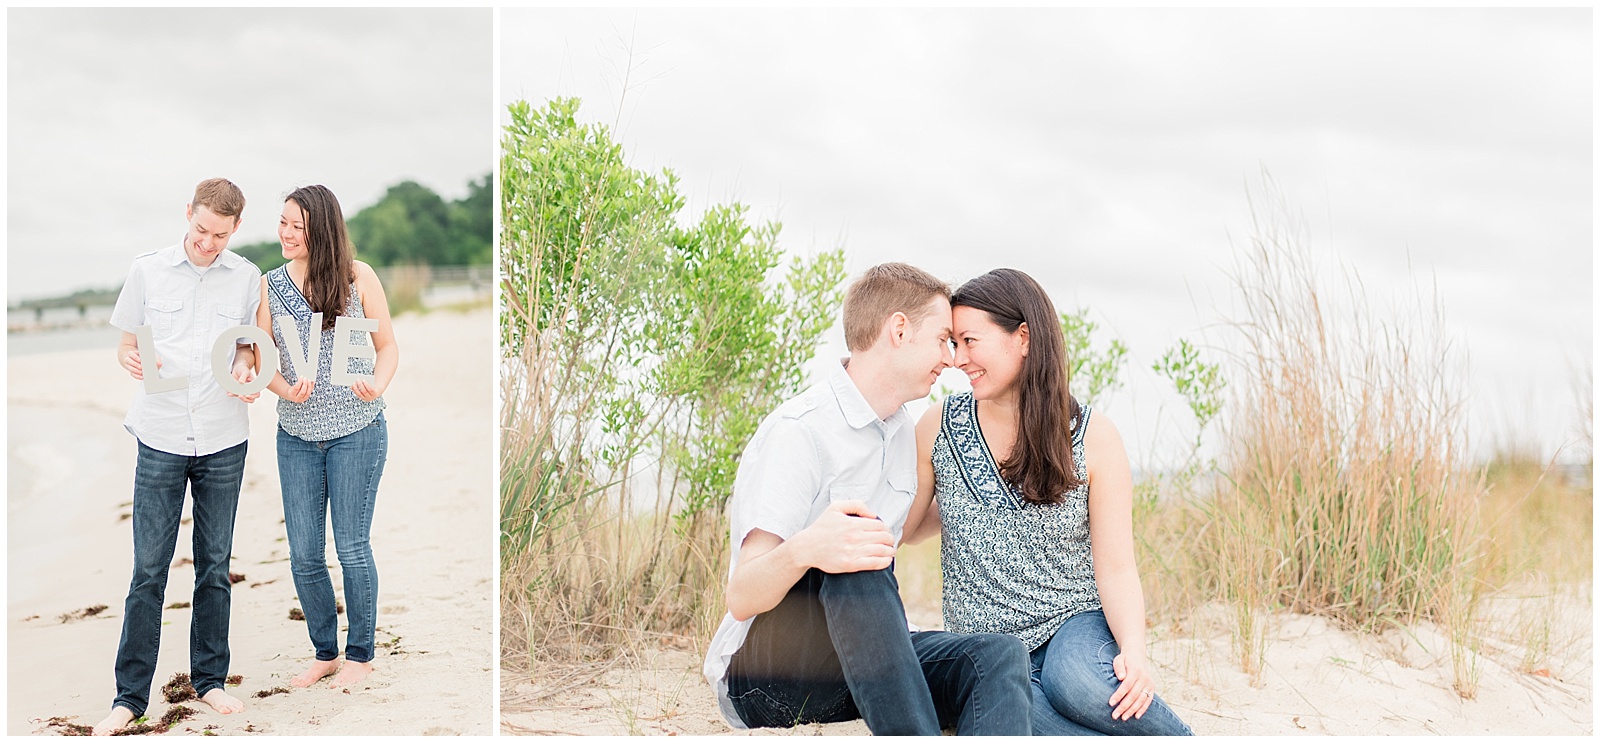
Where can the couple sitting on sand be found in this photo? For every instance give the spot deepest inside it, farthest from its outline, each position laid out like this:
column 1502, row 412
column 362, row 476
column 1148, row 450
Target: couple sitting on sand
column 1042, row 603
column 331, row 442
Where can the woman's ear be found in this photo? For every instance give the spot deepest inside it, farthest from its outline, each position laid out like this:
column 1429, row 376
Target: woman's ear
column 1022, row 333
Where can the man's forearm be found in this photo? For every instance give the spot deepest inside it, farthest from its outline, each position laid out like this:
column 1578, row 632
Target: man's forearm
column 761, row 582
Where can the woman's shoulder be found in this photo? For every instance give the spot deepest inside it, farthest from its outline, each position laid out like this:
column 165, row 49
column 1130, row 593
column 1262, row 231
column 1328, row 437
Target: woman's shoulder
column 1100, row 432
column 277, row 278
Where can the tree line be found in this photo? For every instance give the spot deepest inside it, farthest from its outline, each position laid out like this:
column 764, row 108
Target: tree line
column 412, row 225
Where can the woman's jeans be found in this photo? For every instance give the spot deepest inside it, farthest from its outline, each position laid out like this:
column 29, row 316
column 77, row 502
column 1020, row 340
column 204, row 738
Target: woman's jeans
column 159, row 482
column 1073, row 681
column 337, row 478
column 836, row 648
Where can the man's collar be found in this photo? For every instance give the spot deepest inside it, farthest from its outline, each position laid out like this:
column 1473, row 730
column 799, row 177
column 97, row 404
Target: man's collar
column 857, row 413
column 177, row 255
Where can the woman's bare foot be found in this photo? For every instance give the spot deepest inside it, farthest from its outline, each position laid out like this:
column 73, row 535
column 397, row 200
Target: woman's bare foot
column 117, row 720
column 223, row 702
column 319, row 670
column 351, row 674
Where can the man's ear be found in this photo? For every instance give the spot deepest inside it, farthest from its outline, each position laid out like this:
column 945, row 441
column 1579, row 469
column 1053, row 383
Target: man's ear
column 897, row 325
column 188, row 212
column 1022, row 331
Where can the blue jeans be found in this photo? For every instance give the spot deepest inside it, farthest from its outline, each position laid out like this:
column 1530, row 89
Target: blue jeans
column 337, row 478
column 794, row 668
column 1073, row 681
column 159, row 482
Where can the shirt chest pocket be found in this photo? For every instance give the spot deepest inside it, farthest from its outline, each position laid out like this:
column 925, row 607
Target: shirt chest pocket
column 224, row 316
column 164, row 316
column 904, row 483
column 901, row 489
column 848, row 491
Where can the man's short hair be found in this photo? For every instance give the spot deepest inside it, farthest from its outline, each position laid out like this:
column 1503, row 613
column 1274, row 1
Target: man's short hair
column 882, row 291
column 220, row 196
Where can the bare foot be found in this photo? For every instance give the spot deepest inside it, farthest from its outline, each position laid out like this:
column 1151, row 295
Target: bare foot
column 222, row 702
column 351, row 674
column 118, row 719
column 319, row 670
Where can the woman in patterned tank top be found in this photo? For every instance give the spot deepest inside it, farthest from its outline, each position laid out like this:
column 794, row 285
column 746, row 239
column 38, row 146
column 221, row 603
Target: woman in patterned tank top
column 332, row 437
column 1035, row 500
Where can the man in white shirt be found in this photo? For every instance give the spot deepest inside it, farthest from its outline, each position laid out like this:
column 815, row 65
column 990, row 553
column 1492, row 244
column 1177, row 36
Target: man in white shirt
column 190, row 438
column 816, row 631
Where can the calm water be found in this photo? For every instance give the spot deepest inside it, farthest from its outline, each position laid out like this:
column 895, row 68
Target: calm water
column 51, row 341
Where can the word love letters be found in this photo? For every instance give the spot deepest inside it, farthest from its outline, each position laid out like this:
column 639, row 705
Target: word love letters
column 305, row 366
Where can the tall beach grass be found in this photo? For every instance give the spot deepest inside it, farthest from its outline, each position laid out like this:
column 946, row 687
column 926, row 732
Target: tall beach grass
column 1343, row 487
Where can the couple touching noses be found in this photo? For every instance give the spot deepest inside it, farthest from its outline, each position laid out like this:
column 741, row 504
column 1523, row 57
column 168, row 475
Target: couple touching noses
column 1044, row 635
column 191, row 434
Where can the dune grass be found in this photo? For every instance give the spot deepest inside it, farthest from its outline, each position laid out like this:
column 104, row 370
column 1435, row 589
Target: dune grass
column 1343, row 488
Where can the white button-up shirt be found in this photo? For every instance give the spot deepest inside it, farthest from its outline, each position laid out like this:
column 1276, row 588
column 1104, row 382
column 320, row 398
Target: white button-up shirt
column 824, row 445
column 187, row 307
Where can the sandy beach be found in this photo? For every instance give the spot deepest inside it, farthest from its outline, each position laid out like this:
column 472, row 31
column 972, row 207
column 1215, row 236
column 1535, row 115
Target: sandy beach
column 1317, row 679
column 69, row 549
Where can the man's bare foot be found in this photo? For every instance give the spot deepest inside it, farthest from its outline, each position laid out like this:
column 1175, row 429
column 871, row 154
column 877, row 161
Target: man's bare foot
column 319, row 670
column 223, row 702
column 351, row 674
column 118, row 719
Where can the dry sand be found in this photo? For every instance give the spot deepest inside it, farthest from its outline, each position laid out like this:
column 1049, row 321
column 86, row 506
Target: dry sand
column 70, row 485
column 1316, row 680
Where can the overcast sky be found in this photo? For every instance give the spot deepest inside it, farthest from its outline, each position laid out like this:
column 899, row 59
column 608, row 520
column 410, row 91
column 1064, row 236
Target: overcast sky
column 1109, row 154
column 115, row 114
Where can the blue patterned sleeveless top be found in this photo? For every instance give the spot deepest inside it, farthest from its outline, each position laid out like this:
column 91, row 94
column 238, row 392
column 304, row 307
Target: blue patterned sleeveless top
column 332, row 410
column 1009, row 565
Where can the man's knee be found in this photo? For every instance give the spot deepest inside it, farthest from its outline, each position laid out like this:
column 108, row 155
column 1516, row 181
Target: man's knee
column 860, row 581
column 1000, row 651
column 869, row 586
column 150, row 574
column 866, row 595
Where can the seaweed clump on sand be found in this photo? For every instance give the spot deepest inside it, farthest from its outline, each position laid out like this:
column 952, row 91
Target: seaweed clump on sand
column 93, row 611
column 234, row 680
column 141, row 728
column 68, row 727
column 176, row 715
column 264, row 693
column 178, row 689
column 296, row 614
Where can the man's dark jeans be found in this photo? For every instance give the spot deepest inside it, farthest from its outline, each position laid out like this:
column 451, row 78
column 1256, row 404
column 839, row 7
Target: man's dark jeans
column 836, row 648
column 158, row 491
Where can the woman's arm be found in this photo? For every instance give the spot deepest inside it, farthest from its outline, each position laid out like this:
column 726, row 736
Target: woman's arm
column 922, row 521
column 1115, row 574
column 297, row 392
column 375, row 305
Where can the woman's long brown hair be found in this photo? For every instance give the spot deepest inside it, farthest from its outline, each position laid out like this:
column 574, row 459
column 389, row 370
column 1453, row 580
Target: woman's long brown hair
column 330, row 258
column 1041, row 465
